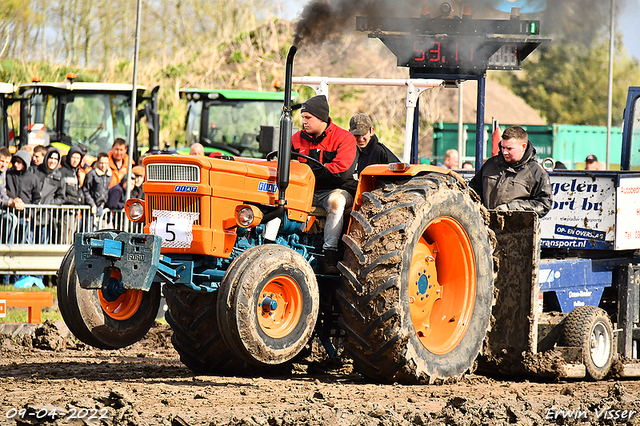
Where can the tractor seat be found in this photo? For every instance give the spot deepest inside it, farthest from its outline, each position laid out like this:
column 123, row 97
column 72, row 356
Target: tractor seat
column 318, row 211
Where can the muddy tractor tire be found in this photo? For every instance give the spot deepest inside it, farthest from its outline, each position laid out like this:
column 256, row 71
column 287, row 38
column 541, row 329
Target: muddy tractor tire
column 269, row 305
column 417, row 286
column 589, row 328
column 102, row 323
column 196, row 336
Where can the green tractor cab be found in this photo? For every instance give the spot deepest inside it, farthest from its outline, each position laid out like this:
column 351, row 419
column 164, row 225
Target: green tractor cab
column 229, row 121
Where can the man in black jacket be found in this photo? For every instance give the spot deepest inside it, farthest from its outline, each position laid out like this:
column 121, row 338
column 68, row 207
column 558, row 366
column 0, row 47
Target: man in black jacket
column 9, row 220
column 513, row 179
column 370, row 150
column 96, row 185
column 50, row 181
column 24, row 184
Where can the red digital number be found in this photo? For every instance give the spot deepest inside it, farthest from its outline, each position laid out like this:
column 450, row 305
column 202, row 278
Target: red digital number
column 417, row 49
column 435, row 51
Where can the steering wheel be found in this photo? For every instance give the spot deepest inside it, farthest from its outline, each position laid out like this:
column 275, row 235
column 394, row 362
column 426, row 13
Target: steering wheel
column 297, row 154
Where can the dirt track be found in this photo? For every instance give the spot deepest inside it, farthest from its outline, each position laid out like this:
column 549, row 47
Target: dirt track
column 146, row 384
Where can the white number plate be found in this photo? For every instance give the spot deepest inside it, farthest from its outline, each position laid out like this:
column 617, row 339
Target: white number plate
column 173, row 227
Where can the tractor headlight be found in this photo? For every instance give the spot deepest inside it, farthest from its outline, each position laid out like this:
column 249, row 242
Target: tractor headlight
column 245, row 216
column 135, row 210
column 248, row 216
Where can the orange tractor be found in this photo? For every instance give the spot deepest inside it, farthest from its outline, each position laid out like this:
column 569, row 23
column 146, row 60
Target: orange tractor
column 234, row 244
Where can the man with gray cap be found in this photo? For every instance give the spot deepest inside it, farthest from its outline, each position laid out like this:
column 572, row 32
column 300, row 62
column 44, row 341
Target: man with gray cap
column 371, row 151
column 334, row 148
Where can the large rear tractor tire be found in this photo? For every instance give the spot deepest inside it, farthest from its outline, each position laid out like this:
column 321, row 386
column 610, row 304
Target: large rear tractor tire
column 101, row 321
column 196, row 336
column 269, row 305
column 589, row 328
column 417, row 291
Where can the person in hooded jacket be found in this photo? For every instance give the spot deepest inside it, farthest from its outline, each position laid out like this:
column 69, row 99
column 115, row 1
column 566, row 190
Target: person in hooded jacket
column 513, row 179
column 24, row 184
column 21, row 182
column 49, row 174
column 70, row 193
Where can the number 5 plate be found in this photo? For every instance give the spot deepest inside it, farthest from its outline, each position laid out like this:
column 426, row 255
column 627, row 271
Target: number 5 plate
column 173, row 227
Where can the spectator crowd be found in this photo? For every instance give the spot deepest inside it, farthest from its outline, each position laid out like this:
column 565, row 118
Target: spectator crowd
column 42, row 175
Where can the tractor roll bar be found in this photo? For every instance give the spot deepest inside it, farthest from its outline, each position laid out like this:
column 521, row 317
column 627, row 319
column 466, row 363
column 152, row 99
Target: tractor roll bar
column 415, row 86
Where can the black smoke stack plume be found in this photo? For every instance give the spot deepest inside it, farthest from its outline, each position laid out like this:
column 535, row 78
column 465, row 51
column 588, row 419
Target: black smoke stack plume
column 322, row 19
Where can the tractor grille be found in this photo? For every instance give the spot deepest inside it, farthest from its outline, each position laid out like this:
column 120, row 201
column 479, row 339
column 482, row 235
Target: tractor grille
column 173, row 173
column 176, row 203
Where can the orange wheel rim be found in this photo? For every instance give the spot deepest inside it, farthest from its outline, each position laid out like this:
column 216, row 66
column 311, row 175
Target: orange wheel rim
column 125, row 306
column 279, row 306
column 442, row 285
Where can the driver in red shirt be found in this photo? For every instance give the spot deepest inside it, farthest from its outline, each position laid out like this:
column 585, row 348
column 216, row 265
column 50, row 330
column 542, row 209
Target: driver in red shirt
column 336, row 149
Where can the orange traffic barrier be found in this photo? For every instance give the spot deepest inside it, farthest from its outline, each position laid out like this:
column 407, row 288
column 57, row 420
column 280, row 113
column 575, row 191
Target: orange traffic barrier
column 34, row 300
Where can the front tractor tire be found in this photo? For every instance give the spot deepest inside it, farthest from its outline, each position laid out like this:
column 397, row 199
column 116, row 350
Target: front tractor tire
column 589, row 328
column 268, row 305
column 417, row 291
column 104, row 322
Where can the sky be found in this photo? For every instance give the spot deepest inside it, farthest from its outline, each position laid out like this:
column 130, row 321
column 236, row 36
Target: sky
column 627, row 24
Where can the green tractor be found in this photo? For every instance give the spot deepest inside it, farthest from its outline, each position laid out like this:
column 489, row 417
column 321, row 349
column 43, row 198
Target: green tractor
column 230, row 121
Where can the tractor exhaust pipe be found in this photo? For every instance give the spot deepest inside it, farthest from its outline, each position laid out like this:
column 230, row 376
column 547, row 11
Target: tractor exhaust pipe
column 286, row 131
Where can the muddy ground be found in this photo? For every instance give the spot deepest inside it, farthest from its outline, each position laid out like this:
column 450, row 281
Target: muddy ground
column 145, row 384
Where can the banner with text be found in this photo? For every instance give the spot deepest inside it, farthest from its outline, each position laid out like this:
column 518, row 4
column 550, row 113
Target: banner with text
column 583, row 215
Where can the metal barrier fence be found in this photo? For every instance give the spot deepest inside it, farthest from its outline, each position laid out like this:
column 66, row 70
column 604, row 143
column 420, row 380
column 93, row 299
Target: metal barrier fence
column 33, row 241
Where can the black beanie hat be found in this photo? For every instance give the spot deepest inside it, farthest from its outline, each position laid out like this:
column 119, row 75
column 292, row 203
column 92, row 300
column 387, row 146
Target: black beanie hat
column 318, row 107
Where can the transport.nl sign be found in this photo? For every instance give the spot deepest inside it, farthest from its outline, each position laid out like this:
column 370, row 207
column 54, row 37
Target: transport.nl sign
column 583, row 214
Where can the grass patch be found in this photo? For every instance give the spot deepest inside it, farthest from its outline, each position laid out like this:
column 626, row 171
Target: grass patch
column 53, row 290
column 22, row 315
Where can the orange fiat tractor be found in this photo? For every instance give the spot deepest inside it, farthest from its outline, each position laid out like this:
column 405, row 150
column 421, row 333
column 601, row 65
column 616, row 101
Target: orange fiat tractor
column 428, row 280
column 234, row 242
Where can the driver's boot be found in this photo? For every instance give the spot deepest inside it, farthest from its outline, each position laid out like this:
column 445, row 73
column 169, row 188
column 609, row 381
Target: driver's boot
column 329, row 262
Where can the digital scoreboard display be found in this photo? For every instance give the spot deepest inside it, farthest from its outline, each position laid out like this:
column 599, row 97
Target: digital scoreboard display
column 455, row 45
column 459, row 52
